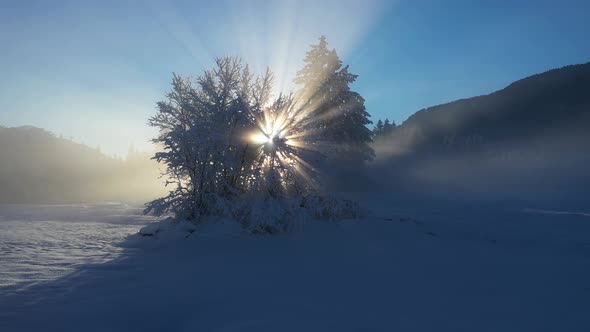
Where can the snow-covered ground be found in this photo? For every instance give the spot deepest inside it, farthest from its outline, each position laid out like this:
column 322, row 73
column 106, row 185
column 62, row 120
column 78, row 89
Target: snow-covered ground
column 418, row 267
column 45, row 242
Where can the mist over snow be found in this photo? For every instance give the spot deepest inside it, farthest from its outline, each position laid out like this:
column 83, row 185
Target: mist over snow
column 527, row 141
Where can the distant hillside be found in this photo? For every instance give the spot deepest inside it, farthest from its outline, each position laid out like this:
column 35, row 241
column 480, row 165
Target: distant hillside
column 532, row 135
column 38, row 167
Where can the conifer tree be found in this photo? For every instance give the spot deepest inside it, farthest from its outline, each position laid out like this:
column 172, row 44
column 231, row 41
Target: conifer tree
column 336, row 113
column 378, row 130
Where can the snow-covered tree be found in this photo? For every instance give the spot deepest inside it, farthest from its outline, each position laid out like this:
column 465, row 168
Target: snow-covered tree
column 223, row 139
column 202, row 125
column 337, row 115
column 230, row 148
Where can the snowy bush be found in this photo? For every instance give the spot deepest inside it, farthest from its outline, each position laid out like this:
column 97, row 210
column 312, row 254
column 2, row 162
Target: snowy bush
column 168, row 226
column 260, row 215
column 270, row 215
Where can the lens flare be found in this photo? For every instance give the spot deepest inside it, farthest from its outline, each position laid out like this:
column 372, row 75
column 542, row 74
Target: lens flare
column 285, row 146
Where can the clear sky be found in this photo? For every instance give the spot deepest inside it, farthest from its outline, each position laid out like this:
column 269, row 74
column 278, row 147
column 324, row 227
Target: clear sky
column 93, row 70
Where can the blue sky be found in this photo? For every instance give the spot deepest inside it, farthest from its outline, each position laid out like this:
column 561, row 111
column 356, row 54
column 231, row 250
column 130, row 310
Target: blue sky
column 93, row 70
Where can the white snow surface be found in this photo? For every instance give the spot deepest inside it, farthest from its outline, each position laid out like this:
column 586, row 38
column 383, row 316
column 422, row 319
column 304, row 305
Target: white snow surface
column 44, row 242
column 415, row 267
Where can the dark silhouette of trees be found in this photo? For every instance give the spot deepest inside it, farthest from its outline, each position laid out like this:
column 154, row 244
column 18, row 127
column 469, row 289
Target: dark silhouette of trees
column 383, row 128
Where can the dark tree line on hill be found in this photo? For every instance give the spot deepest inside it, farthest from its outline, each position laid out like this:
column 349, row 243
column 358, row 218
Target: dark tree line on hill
column 383, row 128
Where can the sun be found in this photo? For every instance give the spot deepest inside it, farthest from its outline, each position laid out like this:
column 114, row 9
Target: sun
column 272, row 131
column 284, row 145
column 260, row 138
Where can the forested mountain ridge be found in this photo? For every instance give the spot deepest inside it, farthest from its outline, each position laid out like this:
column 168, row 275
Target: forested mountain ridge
column 535, row 133
column 38, row 167
column 540, row 102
